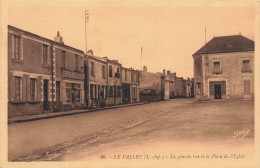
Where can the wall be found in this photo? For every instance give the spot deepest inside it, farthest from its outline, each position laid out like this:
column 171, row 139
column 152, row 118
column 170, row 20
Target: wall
column 198, row 75
column 151, row 81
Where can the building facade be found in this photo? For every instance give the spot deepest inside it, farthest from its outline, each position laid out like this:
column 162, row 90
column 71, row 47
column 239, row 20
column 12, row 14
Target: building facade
column 47, row 76
column 224, row 68
column 37, row 83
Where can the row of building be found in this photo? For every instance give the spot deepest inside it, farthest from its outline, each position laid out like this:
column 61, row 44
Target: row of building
column 165, row 86
column 46, row 75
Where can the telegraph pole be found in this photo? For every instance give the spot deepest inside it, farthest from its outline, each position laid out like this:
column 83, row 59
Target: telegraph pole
column 86, row 20
column 86, row 79
column 141, row 58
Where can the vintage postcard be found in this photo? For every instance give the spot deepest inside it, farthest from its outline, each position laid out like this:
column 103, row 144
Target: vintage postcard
column 120, row 83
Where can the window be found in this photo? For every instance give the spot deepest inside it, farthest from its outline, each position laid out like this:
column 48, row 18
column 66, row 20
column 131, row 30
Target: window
column 110, row 71
column 76, row 62
column 216, row 67
column 111, row 91
column 103, row 72
column 246, row 66
column 117, row 73
column 133, row 77
column 92, row 69
column 33, row 89
column 18, row 88
column 125, row 75
column 45, row 54
column 137, row 77
column 17, row 48
column 118, row 91
column 63, row 59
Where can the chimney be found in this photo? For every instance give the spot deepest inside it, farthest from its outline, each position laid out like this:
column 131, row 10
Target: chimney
column 168, row 73
column 163, row 71
column 58, row 38
column 90, row 52
column 145, row 68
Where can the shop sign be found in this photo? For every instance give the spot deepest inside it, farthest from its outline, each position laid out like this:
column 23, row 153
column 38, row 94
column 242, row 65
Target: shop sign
column 72, row 75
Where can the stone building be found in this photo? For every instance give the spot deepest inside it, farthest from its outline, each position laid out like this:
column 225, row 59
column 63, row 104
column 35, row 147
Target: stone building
column 43, row 75
column 224, row 68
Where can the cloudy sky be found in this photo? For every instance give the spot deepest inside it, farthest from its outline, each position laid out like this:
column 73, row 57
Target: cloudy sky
column 168, row 32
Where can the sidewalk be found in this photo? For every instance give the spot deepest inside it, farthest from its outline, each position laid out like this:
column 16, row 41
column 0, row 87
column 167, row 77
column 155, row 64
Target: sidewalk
column 65, row 113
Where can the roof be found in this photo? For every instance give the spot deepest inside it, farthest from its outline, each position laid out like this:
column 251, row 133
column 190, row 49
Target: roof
column 224, row 44
column 44, row 39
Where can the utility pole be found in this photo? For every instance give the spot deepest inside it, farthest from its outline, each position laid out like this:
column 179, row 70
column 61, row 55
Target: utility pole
column 86, row 79
column 141, row 58
column 86, row 20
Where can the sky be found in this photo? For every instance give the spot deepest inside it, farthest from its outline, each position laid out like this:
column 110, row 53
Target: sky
column 168, row 33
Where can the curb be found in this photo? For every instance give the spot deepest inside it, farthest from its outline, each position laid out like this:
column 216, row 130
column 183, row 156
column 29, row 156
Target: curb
column 53, row 115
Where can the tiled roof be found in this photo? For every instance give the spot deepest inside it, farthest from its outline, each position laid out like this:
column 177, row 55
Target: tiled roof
column 223, row 44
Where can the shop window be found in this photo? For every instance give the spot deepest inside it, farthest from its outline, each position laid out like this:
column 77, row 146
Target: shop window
column 68, row 95
column 77, row 95
column 17, row 48
column 33, row 89
column 76, row 89
column 198, row 87
column 18, row 89
column 134, row 92
column 246, row 66
column 110, row 71
column 45, row 54
column 111, row 91
column 118, row 91
column 92, row 69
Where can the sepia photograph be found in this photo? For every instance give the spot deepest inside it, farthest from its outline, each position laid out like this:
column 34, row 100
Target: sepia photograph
column 113, row 83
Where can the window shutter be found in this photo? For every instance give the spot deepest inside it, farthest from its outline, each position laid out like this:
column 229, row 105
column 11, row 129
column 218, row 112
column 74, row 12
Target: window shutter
column 11, row 88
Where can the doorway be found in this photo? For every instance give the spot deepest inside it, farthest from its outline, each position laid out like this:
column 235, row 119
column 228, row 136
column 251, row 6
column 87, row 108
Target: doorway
column 45, row 94
column 217, row 90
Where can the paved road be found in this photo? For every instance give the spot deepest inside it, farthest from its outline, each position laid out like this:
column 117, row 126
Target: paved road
column 38, row 136
column 169, row 126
